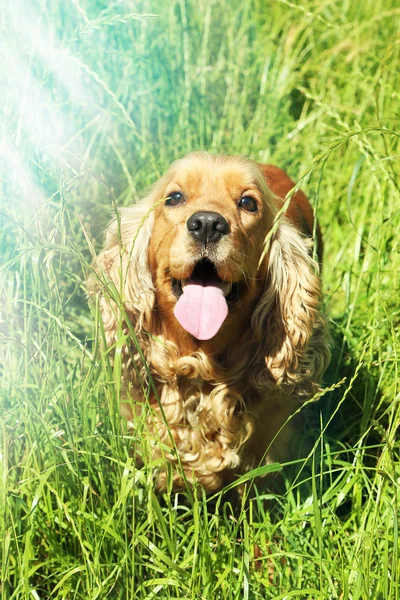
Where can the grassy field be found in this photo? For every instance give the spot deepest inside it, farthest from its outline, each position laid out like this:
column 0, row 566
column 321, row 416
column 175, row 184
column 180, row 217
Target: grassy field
column 97, row 98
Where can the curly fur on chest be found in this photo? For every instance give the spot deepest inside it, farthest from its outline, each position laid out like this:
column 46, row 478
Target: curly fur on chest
column 202, row 416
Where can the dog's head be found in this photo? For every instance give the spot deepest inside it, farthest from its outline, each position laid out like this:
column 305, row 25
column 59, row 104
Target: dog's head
column 206, row 242
column 187, row 264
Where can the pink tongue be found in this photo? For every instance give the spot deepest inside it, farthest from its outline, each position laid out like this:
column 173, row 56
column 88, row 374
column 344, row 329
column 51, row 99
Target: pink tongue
column 201, row 310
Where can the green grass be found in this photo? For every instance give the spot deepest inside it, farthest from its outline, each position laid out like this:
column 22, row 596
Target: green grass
column 97, row 99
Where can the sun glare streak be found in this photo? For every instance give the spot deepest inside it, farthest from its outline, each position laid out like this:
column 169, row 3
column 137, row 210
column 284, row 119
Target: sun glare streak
column 37, row 103
column 57, row 59
column 36, row 114
column 40, row 81
column 17, row 182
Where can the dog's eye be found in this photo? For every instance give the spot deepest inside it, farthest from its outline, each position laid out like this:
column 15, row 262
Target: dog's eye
column 248, row 203
column 174, row 199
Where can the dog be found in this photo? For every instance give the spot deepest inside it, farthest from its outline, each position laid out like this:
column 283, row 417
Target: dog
column 218, row 296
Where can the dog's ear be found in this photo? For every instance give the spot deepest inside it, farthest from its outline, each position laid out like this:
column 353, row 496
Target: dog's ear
column 287, row 323
column 121, row 272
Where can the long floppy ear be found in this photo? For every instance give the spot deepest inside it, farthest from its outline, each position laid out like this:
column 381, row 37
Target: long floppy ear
column 287, row 322
column 122, row 273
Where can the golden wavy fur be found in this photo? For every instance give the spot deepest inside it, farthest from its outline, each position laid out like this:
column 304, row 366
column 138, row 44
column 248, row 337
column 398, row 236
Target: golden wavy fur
column 221, row 401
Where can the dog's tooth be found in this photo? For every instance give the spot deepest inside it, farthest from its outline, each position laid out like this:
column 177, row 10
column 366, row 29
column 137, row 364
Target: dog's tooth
column 184, row 283
column 226, row 288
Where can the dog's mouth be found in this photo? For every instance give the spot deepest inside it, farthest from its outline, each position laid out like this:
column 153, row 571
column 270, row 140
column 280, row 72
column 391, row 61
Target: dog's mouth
column 205, row 274
column 203, row 300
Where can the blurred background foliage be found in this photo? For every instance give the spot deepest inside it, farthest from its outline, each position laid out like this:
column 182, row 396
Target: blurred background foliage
column 96, row 100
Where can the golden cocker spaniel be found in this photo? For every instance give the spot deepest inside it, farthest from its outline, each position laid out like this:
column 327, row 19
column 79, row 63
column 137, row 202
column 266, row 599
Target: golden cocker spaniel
column 220, row 307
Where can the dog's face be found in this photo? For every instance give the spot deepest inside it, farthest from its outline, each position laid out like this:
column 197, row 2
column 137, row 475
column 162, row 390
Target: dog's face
column 210, row 223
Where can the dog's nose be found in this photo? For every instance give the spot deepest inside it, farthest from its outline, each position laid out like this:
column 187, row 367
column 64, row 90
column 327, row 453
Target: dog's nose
column 207, row 227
